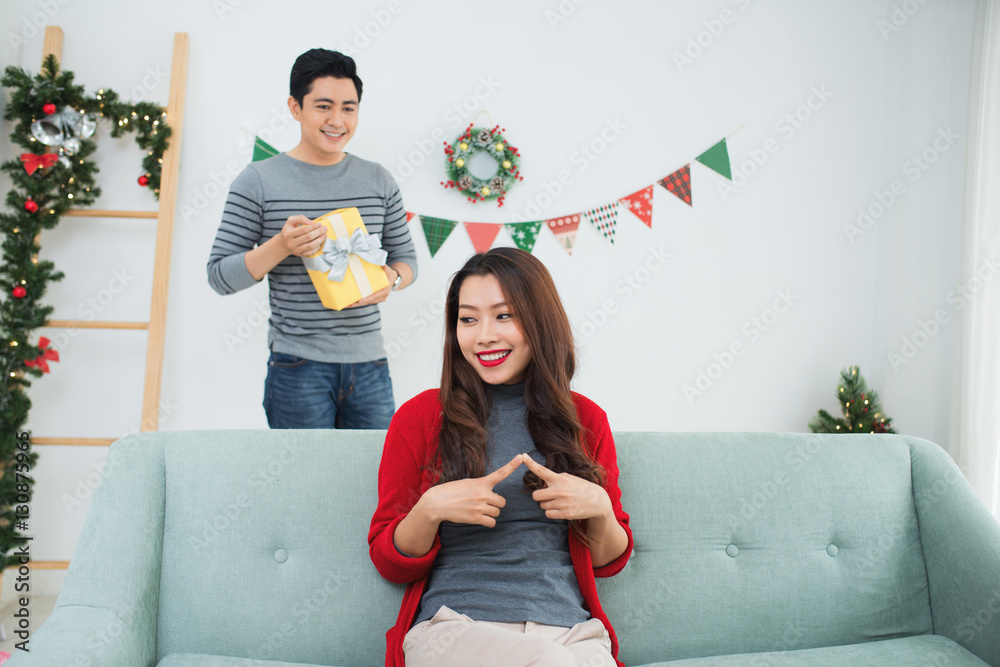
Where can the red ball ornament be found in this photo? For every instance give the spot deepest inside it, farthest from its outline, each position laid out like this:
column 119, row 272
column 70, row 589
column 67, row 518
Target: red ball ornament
column 30, row 206
column 20, row 292
column 48, row 108
column 144, row 180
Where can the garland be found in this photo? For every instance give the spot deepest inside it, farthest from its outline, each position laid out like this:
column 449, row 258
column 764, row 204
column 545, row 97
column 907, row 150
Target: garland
column 54, row 122
column 492, row 142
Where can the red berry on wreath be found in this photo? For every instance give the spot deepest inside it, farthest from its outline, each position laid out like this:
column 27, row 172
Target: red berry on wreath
column 30, row 205
column 144, row 180
column 48, row 108
column 19, row 292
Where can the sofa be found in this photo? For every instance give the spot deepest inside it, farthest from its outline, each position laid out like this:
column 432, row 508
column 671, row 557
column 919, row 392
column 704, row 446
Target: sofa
column 248, row 548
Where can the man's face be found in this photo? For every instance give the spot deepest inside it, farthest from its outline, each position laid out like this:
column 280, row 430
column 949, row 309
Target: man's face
column 328, row 115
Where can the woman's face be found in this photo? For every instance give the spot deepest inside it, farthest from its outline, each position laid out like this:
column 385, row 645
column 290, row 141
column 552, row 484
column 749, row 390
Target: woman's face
column 488, row 334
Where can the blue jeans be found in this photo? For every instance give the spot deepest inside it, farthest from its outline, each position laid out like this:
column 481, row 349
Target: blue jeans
column 300, row 393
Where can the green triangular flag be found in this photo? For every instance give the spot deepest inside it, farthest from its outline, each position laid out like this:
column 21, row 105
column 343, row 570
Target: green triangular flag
column 263, row 150
column 436, row 230
column 716, row 158
column 524, row 233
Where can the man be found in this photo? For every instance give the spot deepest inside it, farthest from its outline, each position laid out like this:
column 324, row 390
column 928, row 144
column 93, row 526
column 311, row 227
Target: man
column 327, row 368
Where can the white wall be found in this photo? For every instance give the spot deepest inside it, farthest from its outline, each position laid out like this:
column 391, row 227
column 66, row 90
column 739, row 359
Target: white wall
column 557, row 80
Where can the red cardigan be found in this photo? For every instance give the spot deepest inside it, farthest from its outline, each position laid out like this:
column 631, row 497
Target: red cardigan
column 409, row 445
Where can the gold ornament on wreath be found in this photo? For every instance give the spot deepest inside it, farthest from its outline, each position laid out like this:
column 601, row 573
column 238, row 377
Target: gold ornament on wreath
column 489, row 140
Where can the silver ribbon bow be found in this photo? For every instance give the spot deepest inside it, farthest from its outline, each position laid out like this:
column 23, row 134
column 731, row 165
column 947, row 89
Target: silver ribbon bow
column 335, row 254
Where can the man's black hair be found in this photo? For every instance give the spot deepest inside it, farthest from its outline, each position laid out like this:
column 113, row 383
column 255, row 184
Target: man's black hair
column 315, row 63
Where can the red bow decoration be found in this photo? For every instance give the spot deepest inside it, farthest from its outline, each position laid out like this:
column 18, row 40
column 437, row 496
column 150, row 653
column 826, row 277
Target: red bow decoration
column 42, row 362
column 32, row 161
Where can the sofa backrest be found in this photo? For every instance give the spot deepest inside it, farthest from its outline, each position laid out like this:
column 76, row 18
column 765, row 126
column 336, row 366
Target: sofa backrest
column 752, row 542
column 743, row 543
column 264, row 547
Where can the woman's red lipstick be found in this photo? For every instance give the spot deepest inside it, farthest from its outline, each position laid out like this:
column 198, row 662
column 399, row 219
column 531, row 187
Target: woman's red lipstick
column 492, row 362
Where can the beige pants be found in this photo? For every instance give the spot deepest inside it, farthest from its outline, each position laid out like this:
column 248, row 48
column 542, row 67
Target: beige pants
column 452, row 639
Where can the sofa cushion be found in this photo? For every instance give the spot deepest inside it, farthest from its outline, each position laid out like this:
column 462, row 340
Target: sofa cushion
column 206, row 660
column 765, row 542
column 915, row 651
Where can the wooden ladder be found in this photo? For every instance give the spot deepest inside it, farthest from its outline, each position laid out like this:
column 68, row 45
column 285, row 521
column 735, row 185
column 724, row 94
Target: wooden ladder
column 164, row 216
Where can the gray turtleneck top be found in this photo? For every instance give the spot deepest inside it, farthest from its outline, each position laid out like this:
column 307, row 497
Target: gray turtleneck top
column 519, row 570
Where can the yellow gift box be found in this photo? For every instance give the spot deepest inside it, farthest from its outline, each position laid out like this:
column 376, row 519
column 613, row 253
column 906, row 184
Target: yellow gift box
column 349, row 253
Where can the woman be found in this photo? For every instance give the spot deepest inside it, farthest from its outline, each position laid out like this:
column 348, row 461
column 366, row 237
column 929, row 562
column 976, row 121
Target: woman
column 501, row 566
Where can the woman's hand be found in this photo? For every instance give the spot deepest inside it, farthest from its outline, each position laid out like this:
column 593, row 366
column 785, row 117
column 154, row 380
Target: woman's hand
column 567, row 496
column 470, row 501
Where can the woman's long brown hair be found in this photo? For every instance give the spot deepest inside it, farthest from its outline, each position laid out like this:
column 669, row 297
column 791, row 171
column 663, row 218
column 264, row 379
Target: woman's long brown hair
column 553, row 423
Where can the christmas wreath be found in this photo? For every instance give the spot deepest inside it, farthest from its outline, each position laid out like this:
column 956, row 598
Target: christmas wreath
column 492, row 142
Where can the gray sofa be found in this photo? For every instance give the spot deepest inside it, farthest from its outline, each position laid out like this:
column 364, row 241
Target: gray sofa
column 239, row 548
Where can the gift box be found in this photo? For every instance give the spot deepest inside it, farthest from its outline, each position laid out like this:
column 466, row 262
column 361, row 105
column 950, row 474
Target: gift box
column 349, row 265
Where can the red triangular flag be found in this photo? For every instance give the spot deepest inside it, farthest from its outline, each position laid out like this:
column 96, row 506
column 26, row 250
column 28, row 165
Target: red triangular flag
column 482, row 234
column 640, row 203
column 565, row 229
column 679, row 183
column 409, row 216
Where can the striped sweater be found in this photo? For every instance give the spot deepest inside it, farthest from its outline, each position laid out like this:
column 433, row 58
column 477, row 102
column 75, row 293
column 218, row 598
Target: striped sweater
column 260, row 201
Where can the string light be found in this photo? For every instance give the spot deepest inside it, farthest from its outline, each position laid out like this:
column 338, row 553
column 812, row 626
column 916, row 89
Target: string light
column 13, row 343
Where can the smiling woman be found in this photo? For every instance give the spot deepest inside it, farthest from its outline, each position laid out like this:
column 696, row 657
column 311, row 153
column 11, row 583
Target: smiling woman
column 488, row 334
column 456, row 524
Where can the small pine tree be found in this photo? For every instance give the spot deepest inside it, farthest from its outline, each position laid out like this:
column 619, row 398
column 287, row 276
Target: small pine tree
column 860, row 405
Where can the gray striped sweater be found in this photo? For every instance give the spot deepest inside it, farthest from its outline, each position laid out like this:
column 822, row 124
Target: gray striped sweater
column 260, row 200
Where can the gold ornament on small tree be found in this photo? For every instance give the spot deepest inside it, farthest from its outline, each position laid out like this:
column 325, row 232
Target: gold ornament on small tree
column 860, row 405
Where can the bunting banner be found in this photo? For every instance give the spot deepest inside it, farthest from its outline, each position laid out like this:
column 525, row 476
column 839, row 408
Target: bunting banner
column 524, row 234
column 262, row 150
column 679, row 183
column 716, row 158
column 482, row 234
column 565, row 227
column 436, row 231
column 605, row 218
column 640, row 203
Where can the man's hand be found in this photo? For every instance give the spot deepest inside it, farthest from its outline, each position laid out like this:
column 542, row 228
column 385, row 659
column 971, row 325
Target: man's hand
column 301, row 237
column 382, row 294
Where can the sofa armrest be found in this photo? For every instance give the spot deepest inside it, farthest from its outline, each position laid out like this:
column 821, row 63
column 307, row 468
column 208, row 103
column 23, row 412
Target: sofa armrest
column 115, row 570
column 961, row 544
column 84, row 636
